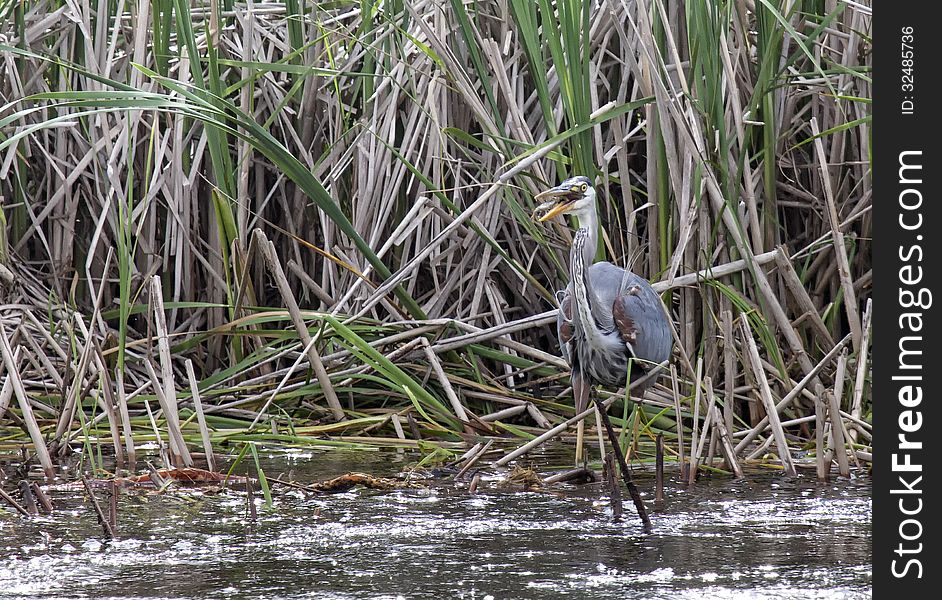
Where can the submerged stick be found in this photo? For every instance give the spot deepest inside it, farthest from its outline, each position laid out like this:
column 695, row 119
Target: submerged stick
column 28, row 499
column 45, row 505
column 473, row 459
column 611, row 480
column 659, row 468
column 625, row 473
column 113, row 505
column 102, row 519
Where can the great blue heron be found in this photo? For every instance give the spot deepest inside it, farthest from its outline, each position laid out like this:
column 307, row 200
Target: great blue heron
column 607, row 315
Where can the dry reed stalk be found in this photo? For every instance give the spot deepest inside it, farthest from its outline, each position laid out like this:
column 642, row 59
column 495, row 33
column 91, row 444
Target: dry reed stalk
column 165, row 387
column 834, row 410
column 445, row 383
column 678, row 420
column 695, row 427
column 729, row 371
column 200, row 417
column 726, row 444
column 599, row 435
column 765, row 393
column 267, row 250
column 792, row 394
column 800, row 294
column 397, row 426
column 862, row 369
column 840, row 251
column 181, row 456
column 6, row 392
column 13, row 503
column 822, row 466
column 125, row 418
column 504, row 413
column 35, row 434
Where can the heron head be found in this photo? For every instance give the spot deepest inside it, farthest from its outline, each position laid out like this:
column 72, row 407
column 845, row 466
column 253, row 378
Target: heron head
column 573, row 196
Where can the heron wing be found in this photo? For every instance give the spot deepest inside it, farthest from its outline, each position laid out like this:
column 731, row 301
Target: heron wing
column 637, row 313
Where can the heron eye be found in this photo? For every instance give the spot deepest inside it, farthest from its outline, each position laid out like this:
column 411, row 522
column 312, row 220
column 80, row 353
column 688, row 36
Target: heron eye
column 584, row 187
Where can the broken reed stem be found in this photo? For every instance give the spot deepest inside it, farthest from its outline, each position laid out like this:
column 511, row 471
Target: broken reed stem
column 707, row 433
column 861, row 377
column 445, row 383
column 200, row 417
column 474, row 459
column 167, row 392
column 837, row 426
column 837, row 238
column 726, row 444
column 679, row 421
column 45, row 504
column 695, row 427
column 177, row 444
column 794, row 393
column 623, row 466
column 765, row 393
column 600, row 435
column 125, row 418
column 270, row 256
column 12, row 502
column 10, row 360
column 729, row 371
column 820, row 414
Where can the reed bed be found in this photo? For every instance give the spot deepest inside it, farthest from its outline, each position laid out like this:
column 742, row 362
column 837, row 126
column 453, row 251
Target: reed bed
column 231, row 223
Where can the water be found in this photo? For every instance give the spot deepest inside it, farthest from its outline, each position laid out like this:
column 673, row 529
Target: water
column 766, row 537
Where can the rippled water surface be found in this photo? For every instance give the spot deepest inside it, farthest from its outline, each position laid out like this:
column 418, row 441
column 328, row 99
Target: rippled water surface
column 768, row 536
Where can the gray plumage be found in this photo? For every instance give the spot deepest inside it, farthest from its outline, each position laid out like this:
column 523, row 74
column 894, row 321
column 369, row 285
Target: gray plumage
column 607, row 314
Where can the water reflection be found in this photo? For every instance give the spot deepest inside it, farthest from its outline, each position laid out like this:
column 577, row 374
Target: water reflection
column 765, row 537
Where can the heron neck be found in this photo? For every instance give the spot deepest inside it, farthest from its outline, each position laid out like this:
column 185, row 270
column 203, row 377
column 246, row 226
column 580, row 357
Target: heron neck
column 589, row 221
column 583, row 252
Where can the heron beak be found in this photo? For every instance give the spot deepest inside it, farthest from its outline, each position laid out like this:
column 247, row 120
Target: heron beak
column 558, row 201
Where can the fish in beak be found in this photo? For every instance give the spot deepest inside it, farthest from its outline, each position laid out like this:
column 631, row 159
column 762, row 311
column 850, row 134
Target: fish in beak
column 557, row 201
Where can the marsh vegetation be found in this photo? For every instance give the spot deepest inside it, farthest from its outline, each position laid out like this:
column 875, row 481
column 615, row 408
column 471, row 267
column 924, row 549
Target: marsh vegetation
column 308, row 225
